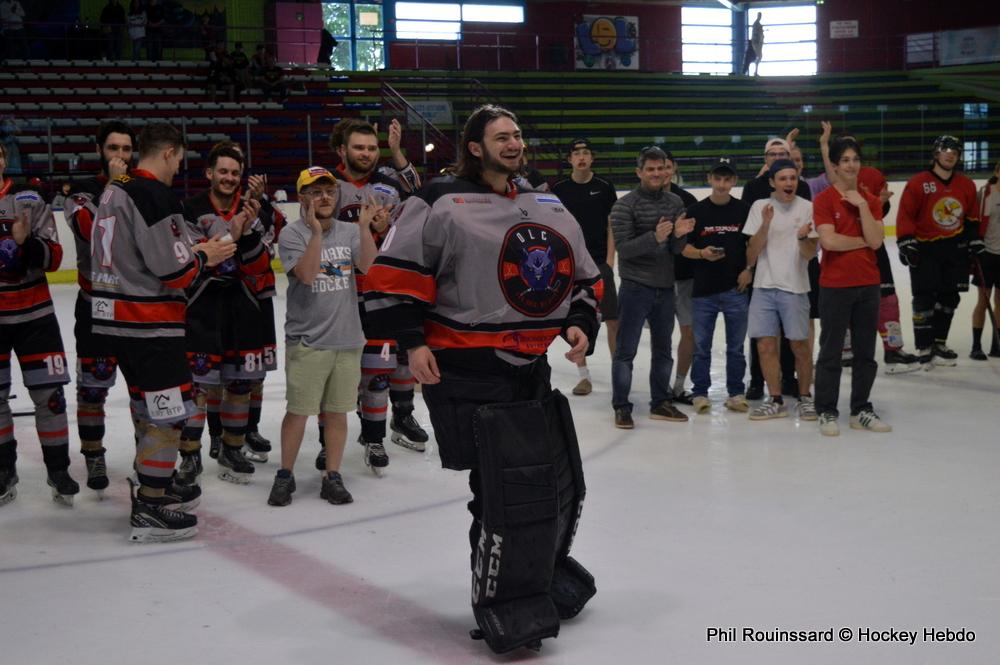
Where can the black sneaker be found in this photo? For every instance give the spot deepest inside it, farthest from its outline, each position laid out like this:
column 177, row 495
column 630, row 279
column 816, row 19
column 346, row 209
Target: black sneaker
column 8, row 484
column 623, row 418
column 684, row 397
column 333, row 489
column 153, row 522
column 282, row 489
column 667, row 411
column 978, row 354
column 995, row 351
column 755, row 391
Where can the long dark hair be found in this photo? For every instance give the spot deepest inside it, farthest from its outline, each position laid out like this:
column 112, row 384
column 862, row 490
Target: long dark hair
column 468, row 166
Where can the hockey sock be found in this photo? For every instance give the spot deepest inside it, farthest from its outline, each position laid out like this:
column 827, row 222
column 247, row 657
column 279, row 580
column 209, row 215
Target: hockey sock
column 235, row 411
column 90, row 417
column 214, row 404
column 977, row 339
column 53, row 430
column 256, row 403
column 195, row 425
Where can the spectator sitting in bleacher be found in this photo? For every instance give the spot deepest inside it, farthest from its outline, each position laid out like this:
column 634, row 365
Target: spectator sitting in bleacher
column 155, row 20
column 272, row 81
column 241, row 65
column 222, row 74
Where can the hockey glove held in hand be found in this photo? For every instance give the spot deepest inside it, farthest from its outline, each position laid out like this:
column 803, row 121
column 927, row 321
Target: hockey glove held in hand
column 909, row 252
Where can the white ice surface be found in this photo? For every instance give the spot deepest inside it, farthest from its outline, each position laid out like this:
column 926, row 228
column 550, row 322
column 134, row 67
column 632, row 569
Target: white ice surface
column 715, row 522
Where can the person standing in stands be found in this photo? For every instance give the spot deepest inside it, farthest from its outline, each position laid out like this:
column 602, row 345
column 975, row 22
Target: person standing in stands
column 589, row 198
column 156, row 19
column 755, row 47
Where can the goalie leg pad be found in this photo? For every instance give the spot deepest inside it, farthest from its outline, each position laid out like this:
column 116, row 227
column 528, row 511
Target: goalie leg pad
column 572, row 585
column 515, row 554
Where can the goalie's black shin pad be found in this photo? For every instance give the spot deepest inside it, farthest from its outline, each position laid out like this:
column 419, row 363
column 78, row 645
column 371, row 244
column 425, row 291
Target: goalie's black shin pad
column 572, row 584
column 515, row 555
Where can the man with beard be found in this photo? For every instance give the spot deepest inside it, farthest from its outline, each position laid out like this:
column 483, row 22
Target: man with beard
column 589, row 199
column 96, row 368
column 937, row 226
column 475, row 280
column 143, row 259
column 224, row 344
column 385, row 374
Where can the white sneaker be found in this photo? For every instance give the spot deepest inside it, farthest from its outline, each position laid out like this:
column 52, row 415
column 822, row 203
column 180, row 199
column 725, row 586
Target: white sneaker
column 701, row 404
column 738, row 403
column 807, row 409
column 828, row 425
column 768, row 410
column 869, row 420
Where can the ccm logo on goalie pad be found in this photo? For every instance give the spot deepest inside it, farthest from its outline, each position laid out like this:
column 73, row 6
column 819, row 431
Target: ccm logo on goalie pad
column 492, row 571
column 165, row 404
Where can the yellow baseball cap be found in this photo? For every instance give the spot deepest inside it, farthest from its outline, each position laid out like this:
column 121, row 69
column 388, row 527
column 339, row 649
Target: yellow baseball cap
column 312, row 174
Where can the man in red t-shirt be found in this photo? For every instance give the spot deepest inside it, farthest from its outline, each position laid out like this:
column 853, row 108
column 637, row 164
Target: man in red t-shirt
column 937, row 226
column 849, row 223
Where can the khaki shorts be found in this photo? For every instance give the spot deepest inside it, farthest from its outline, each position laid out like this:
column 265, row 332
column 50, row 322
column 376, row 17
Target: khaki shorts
column 321, row 380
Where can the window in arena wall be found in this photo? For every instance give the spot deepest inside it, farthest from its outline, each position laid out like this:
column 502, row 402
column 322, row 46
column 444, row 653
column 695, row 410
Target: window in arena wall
column 445, row 20
column 976, row 156
column 707, row 40
column 789, row 39
column 358, row 29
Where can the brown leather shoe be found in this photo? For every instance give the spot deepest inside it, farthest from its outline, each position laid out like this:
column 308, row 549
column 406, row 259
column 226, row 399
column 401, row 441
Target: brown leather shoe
column 667, row 411
column 583, row 388
column 623, row 418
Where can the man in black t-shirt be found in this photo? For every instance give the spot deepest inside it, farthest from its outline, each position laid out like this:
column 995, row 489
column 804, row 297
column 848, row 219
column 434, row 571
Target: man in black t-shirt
column 683, row 280
column 717, row 248
column 589, row 199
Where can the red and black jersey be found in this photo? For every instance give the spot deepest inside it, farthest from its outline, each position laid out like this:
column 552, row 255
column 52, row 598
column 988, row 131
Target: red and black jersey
column 81, row 210
column 142, row 259
column 932, row 209
column 24, row 291
column 251, row 260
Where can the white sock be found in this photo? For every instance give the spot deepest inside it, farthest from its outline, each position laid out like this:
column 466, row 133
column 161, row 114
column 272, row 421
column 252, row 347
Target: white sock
column 583, row 371
column 679, row 384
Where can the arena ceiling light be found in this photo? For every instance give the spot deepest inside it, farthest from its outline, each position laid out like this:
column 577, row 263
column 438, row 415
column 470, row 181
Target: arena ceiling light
column 728, row 5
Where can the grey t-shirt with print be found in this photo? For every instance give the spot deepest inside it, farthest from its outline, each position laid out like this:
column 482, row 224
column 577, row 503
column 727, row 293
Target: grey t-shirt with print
column 323, row 315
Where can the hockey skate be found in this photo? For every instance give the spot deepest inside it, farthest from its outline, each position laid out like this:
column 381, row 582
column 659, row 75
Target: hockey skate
column 407, row 432
column 942, row 356
column 8, row 482
column 898, row 361
column 234, row 466
column 189, row 469
column 376, row 458
column 181, row 498
column 97, row 473
column 64, row 488
column 214, row 445
column 256, row 447
column 153, row 522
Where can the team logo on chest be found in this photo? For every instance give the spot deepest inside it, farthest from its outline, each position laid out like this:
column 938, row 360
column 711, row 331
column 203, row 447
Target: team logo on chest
column 948, row 213
column 536, row 269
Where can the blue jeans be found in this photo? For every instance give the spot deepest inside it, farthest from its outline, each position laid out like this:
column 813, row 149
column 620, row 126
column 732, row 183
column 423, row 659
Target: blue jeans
column 733, row 306
column 638, row 303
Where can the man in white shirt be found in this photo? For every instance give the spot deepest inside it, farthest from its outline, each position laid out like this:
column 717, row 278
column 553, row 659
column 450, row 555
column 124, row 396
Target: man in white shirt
column 782, row 241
